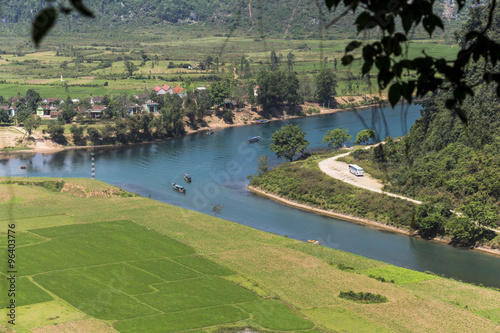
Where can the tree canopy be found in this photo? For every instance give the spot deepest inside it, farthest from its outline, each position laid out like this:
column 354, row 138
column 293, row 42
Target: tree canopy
column 337, row 137
column 365, row 135
column 288, row 141
column 326, row 85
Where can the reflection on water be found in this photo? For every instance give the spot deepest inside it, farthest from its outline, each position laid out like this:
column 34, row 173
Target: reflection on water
column 219, row 165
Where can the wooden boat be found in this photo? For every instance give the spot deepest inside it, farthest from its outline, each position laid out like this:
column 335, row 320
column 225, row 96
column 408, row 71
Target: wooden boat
column 178, row 188
column 254, row 139
column 187, row 178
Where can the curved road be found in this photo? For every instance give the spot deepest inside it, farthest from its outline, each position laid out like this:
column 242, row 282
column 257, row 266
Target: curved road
column 340, row 171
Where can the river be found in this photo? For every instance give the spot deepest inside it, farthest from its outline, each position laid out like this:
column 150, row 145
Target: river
column 219, row 165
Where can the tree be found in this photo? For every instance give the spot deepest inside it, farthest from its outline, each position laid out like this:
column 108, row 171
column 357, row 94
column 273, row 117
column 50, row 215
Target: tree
column 326, row 85
column 108, row 133
column 208, row 62
column 337, row 137
column 56, row 132
column 94, row 135
column 277, row 88
column 4, row 116
column 77, row 133
column 274, row 61
column 290, row 60
column 364, row 136
column 218, row 92
column 68, row 112
column 262, row 165
column 217, row 209
column 130, row 67
column 31, row 122
column 32, row 98
column 288, row 141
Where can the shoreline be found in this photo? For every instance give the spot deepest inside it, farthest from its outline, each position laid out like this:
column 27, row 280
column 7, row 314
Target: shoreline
column 215, row 127
column 359, row 220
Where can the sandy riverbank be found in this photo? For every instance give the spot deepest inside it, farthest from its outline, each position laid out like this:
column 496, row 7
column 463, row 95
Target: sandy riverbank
column 243, row 117
column 359, row 220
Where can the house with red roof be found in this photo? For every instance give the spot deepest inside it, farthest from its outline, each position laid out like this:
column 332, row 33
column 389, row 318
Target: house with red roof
column 164, row 89
column 178, row 90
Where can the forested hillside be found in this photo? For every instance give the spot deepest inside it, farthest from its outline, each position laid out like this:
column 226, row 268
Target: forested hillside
column 453, row 162
column 296, row 19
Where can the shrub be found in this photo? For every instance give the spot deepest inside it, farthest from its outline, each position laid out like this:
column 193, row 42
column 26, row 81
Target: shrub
column 362, row 297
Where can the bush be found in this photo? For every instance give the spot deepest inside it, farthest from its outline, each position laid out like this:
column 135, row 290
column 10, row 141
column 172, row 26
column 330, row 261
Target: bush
column 50, row 185
column 362, row 297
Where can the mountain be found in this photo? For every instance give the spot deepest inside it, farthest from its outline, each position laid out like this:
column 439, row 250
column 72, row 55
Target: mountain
column 295, row 19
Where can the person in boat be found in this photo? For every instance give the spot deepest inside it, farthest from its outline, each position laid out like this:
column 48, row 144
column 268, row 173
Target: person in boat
column 187, row 177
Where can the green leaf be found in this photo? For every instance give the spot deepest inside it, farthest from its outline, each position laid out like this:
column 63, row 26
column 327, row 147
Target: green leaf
column 461, row 114
column 450, row 103
column 78, row 4
column 394, row 94
column 347, row 59
column 352, row 46
column 362, row 21
column 42, row 23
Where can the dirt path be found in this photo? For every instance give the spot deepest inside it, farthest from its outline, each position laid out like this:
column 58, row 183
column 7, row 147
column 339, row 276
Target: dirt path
column 340, row 171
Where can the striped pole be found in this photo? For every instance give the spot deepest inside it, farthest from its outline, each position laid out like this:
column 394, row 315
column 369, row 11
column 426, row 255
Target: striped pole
column 92, row 175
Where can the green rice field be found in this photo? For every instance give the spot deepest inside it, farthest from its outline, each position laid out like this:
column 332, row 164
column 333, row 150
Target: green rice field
column 132, row 264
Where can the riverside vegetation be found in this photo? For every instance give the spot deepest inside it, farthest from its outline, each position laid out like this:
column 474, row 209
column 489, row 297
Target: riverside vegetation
column 448, row 163
column 230, row 276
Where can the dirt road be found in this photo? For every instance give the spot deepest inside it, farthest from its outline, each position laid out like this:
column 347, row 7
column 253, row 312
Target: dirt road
column 340, row 170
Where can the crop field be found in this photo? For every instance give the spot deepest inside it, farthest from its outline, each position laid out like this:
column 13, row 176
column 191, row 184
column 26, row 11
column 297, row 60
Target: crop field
column 102, row 270
column 132, row 264
column 97, row 70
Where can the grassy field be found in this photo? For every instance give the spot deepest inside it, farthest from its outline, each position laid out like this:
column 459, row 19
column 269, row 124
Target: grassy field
column 131, row 264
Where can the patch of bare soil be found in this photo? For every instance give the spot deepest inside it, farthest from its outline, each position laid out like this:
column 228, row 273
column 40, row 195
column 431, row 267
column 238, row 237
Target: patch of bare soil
column 87, row 325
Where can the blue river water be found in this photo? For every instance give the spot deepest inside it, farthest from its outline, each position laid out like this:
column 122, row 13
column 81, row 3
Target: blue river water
column 219, row 165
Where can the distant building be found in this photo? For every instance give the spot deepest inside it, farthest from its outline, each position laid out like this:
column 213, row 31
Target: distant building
column 96, row 99
column 96, row 111
column 150, row 106
column 133, row 108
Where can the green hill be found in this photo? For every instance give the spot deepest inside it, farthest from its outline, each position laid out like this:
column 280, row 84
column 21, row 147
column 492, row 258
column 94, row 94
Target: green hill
column 297, row 19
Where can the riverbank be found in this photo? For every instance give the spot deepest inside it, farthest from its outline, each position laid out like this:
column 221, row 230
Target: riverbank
column 350, row 218
column 243, row 117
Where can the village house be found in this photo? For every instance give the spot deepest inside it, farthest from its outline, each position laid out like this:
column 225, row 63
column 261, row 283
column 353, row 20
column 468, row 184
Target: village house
column 53, row 101
column 46, row 111
column 133, row 108
column 95, row 111
column 150, row 106
column 142, row 97
column 96, row 99
column 11, row 110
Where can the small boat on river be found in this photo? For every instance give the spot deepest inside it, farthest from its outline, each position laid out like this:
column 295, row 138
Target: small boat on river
column 254, row 139
column 178, row 188
column 314, row 241
column 262, row 121
column 187, row 178
column 210, row 132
